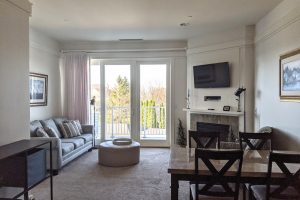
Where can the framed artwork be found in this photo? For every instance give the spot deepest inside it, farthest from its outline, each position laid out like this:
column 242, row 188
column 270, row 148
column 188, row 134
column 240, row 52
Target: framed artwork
column 38, row 89
column 290, row 76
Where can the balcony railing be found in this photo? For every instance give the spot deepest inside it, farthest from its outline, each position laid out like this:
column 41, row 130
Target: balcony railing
column 152, row 123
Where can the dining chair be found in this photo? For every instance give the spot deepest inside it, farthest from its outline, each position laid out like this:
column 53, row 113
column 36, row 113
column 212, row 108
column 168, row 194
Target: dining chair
column 255, row 141
column 204, row 139
column 286, row 188
column 216, row 184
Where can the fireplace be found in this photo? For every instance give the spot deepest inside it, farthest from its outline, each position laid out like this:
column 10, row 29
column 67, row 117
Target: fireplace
column 224, row 129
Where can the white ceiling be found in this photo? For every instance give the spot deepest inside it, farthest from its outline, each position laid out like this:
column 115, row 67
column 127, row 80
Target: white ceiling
column 106, row 20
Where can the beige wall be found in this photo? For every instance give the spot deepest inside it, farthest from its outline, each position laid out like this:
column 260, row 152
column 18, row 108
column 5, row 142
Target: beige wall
column 44, row 59
column 276, row 34
column 14, row 70
column 236, row 47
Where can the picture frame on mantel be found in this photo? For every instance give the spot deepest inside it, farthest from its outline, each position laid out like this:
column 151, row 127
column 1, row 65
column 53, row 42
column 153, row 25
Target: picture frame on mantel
column 289, row 65
column 38, row 89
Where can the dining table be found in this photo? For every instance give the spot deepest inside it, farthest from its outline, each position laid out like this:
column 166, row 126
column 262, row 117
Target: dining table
column 254, row 168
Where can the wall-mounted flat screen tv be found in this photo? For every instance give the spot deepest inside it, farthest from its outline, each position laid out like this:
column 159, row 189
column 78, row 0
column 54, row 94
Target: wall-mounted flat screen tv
column 212, row 75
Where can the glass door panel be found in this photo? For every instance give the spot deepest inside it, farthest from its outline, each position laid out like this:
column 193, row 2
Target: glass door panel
column 117, row 101
column 153, row 84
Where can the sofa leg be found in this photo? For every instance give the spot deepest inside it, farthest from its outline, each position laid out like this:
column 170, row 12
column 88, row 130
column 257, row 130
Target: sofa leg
column 55, row 172
column 90, row 150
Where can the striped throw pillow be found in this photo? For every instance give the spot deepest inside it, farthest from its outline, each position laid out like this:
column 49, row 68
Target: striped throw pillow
column 77, row 122
column 77, row 127
column 69, row 130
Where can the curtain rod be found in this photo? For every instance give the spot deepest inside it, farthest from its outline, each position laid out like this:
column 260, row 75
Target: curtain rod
column 123, row 50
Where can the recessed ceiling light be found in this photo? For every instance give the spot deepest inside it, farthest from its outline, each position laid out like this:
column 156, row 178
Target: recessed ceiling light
column 184, row 24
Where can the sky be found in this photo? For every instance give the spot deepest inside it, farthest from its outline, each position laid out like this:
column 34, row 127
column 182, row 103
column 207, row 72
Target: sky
column 150, row 75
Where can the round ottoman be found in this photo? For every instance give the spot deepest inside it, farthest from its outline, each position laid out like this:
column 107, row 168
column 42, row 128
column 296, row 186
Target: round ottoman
column 119, row 153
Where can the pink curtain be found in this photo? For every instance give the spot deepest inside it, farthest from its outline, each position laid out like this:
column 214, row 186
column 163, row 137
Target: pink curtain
column 76, row 86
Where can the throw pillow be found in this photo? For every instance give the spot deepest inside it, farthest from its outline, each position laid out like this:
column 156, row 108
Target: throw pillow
column 77, row 122
column 50, row 123
column 77, row 132
column 69, row 130
column 51, row 132
column 40, row 132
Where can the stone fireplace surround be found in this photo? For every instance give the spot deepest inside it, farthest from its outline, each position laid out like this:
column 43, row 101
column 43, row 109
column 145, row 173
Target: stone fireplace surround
column 232, row 119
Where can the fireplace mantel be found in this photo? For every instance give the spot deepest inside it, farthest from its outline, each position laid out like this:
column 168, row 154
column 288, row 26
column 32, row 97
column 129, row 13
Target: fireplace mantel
column 213, row 112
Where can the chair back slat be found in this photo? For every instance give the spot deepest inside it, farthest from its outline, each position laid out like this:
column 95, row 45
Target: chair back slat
column 291, row 180
column 217, row 177
column 246, row 138
column 199, row 136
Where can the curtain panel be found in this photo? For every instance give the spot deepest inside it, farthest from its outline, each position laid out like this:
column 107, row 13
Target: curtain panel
column 76, row 88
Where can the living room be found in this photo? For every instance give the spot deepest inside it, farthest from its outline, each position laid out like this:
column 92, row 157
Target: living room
column 135, row 78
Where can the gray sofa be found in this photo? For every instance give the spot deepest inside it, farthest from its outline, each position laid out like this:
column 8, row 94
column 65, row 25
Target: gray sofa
column 64, row 150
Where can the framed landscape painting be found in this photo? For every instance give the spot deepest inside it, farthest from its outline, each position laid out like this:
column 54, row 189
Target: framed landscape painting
column 290, row 76
column 38, row 90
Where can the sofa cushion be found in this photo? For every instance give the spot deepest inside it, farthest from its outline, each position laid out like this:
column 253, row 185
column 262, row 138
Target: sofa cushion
column 40, row 132
column 76, row 141
column 49, row 123
column 34, row 125
column 66, row 147
column 86, row 137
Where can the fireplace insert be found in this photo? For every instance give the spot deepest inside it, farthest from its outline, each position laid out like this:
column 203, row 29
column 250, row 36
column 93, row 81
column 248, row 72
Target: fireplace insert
column 225, row 130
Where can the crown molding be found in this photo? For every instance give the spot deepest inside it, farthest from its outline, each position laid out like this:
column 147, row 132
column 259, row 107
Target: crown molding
column 278, row 26
column 221, row 46
column 23, row 5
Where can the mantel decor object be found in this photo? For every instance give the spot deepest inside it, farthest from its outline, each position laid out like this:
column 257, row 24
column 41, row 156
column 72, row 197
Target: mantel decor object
column 238, row 93
column 188, row 99
column 38, row 89
column 289, row 65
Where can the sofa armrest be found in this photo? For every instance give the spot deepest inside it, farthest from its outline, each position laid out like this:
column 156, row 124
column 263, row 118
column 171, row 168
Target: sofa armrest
column 56, row 151
column 87, row 128
column 56, row 142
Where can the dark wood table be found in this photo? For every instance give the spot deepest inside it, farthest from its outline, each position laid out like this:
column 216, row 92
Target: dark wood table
column 14, row 157
column 254, row 170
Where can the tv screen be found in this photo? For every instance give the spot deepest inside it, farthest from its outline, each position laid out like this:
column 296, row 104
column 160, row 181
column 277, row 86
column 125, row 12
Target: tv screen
column 212, row 75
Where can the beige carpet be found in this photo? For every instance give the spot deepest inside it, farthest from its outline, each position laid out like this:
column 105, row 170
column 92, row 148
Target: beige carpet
column 85, row 179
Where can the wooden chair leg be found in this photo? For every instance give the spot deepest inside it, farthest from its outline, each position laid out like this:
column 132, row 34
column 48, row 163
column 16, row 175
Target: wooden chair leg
column 244, row 192
column 250, row 195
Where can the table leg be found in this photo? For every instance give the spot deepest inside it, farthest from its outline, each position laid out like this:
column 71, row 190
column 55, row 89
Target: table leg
column 174, row 187
column 26, row 196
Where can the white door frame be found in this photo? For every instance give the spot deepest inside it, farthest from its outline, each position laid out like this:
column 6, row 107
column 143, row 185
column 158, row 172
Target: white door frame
column 135, row 97
column 148, row 142
column 102, row 86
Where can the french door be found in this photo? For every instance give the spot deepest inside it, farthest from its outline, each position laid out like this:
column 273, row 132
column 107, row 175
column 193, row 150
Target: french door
column 131, row 100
